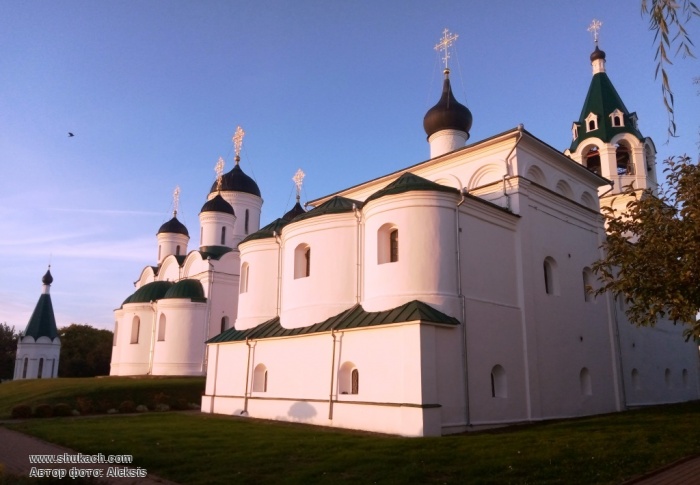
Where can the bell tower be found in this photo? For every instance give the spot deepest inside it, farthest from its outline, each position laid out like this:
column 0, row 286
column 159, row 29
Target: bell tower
column 606, row 138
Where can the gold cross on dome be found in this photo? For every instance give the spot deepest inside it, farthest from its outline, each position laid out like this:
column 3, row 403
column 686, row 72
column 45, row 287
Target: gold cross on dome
column 219, row 169
column 176, row 199
column 238, row 142
column 444, row 45
column 595, row 28
column 298, row 179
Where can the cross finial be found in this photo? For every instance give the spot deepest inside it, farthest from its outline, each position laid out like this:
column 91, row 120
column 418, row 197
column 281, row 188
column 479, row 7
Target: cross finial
column 298, row 179
column 176, row 199
column 444, row 45
column 595, row 28
column 238, row 143
column 219, row 169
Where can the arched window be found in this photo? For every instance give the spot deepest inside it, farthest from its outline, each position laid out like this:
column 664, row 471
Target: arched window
column 247, row 217
column 387, row 244
column 302, row 261
column 394, row 246
column 348, row 379
column 244, row 278
column 587, row 284
column 223, row 235
column 24, row 368
column 499, row 382
column 41, row 368
column 635, row 380
column 114, row 339
column 592, row 122
column 224, row 324
column 135, row 324
column 667, row 378
column 355, row 377
column 624, row 160
column 684, row 376
column 551, row 283
column 592, row 160
column 260, row 378
column 161, row 328
column 617, row 118
column 201, row 236
column 585, row 382
column 177, row 250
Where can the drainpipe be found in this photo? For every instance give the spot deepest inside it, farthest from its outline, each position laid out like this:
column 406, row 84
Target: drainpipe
column 508, row 174
column 358, row 216
column 278, row 240
column 247, row 375
column 208, row 323
column 465, row 362
column 330, row 395
column 153, row 339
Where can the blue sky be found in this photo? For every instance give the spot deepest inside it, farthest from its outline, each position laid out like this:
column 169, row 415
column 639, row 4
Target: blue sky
column 154, row 90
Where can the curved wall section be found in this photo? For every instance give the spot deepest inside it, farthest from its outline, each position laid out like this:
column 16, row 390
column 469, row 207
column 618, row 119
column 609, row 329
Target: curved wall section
column 331, row 284
column 258, row 289
column 426, row 268
column 133, row 339
column 179, row 350
column 247, row 208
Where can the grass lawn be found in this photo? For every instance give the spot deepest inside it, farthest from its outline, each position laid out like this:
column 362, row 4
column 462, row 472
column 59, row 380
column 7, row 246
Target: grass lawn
column 208, row 449
column 99, row 394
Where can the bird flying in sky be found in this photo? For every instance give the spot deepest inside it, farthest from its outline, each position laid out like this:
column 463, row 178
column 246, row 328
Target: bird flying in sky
column 70, row 134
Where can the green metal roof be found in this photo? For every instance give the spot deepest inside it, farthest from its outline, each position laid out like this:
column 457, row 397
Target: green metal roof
column 267, row 231
column 334, row 205
column 187, row 288
column 214, row 252
column 408, row 182
column 355, row 317
column 602, row 100
column 42, row 322
column 155, row 290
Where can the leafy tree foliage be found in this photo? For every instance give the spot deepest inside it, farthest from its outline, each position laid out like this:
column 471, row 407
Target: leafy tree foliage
column 668, row 19
column 652, row 252
column 8, row 350
column 85, row 351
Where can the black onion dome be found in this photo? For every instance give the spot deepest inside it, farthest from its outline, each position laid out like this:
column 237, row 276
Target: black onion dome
column 295, row 211
column 47, row 279
column 217, row 204
column 447, row 114
column 237, row 181
column 597, row 54
column 173, row 226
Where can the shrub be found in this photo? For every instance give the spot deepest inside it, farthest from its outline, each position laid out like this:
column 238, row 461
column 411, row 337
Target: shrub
column 141, row 408
column 162, row 407
column 84, row 405
column 61, row 409
column 180, row 405
column 21, row 411
column 43, row 411
column 127, row 407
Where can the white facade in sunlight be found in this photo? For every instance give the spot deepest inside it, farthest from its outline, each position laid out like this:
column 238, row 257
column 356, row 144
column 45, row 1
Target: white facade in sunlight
column 452, row 294
column 161, row 329
column 446, row 296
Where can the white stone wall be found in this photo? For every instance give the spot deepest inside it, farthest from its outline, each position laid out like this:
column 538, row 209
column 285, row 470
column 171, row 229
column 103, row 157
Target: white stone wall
column 44, row 353
column 259, row 303
column 331, row 286
column 181, row 350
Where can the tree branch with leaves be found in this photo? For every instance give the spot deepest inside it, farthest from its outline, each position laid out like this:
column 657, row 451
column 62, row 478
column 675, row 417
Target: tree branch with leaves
column 668, row 18
column 652, row 251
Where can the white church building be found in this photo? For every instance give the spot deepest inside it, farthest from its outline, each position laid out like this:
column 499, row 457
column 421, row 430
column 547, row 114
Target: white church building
column 39, row 346
column 445, row 296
